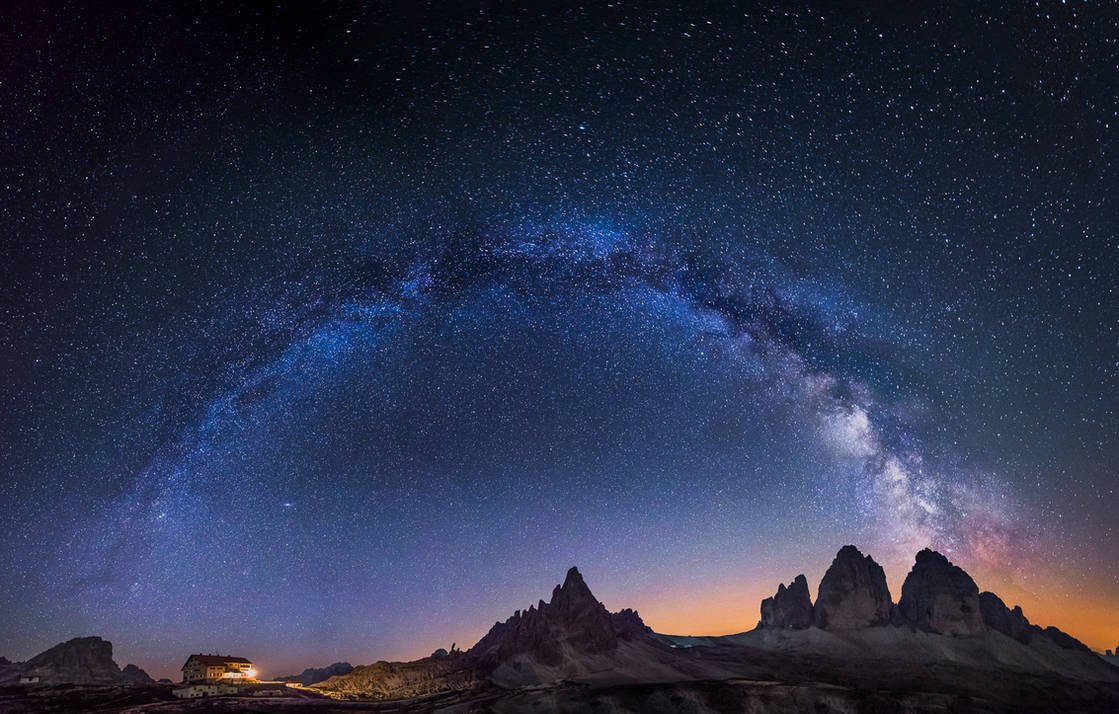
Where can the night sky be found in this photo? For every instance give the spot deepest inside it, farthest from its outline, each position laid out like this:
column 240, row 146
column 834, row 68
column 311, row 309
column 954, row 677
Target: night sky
column 341, row 333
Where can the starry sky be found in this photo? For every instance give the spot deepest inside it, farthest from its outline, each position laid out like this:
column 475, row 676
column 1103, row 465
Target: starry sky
column 340, row 332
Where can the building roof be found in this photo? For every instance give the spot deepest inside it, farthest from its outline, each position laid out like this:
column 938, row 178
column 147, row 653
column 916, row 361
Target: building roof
column 214, row 660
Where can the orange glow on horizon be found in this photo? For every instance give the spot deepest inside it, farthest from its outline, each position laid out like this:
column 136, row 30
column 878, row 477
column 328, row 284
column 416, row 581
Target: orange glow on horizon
column 733, row 607
column 695, row 605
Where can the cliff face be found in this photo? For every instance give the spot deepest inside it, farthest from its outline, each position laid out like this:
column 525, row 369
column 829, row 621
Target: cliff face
column 82, row 660
column 939, row 597
column 789, row 608
column 853, row 593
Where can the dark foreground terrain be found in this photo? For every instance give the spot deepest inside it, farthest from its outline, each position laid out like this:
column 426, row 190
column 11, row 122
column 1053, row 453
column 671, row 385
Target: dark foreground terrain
column 943, row 647
column 723, row 696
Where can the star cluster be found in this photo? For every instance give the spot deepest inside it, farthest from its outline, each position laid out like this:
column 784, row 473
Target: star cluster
column 338, row 332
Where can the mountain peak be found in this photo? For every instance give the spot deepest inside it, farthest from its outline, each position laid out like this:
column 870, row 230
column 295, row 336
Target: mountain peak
column 573, row 582
column 926, row 555
column 790, row 608
column 938, row 596
column 82, row 660
column 853, row 593
column 573, row 616
column 573, row 593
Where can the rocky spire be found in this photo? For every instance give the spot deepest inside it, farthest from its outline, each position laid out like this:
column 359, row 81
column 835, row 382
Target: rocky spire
column 853, row 593
column 573, row 597
column 790, row 608
column 573, row 619
column 939, row 597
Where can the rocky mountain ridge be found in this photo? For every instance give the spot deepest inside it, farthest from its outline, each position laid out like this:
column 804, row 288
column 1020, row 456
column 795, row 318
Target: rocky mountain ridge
column 314, row 675
column 945, row 646
column 82, row 660
column 943, row 635
column 937, row 597
column 557, row 637
column 572, row 618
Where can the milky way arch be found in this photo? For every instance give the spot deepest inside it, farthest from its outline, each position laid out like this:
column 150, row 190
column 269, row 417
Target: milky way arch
column 359, row 422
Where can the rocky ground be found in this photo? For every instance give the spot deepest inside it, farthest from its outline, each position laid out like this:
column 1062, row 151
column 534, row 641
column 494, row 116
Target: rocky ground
column 67, row 698
column 698, row 697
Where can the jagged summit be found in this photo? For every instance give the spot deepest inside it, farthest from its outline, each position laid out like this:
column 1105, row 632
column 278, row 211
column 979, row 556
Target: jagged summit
column 789, row 608
column 548, row 641
column 575, row 647
column 573, row 595
column 573, row 638
column 853, row 594
column 937, row 597
column 573, row 620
